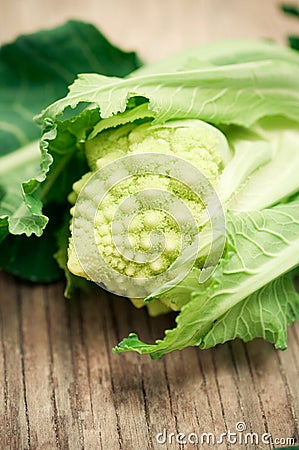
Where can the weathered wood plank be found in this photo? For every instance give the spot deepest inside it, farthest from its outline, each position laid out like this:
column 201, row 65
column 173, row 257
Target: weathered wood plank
column 14, row 424
column 37, row 379
column 61, row 387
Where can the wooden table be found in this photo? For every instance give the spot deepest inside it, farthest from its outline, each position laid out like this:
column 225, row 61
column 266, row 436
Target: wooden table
column 61, row 387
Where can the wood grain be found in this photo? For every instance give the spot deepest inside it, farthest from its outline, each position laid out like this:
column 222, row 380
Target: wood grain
column 154, row 28
column 60, row 385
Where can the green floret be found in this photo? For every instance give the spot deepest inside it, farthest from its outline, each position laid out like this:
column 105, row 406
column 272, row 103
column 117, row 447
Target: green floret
column 152, row 241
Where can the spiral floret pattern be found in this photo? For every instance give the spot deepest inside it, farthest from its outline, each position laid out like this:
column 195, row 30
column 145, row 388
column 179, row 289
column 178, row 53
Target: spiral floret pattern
column 143, row 206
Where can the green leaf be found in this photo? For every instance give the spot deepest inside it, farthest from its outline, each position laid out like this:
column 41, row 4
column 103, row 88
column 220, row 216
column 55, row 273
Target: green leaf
column 32, row 258
column 35, row 70
column 266, row 314
column 175, row 294
column 237, row 93
column 293, row 11
column 217, row 53
column 263, row 245
column 290, row 9
column 275, row 145
column 16, row 167
column 294, row 42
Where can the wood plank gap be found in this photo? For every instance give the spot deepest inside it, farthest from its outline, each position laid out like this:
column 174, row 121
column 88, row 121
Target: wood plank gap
column 86, row 353
column 5, row 380
column 255, row 389
column 149, row 324
column 23, row 370
column 145, row 406
column 219, row 394
column 170, row 398
column 108, row 349
column 205, row 387
column 56, row 427
column 79, row 423
column 7, row 429
column 236, row 379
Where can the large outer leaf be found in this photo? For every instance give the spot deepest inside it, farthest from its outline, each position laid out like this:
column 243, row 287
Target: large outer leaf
column 220, row 54
column 263, row 246
column 266, row 313
column 35, row 70
column 235, row 93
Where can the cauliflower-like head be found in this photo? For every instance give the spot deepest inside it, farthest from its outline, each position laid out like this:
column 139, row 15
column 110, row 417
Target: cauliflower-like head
column 144, row 240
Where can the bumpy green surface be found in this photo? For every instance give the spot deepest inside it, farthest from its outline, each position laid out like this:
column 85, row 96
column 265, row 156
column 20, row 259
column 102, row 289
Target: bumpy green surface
column 194, row 141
